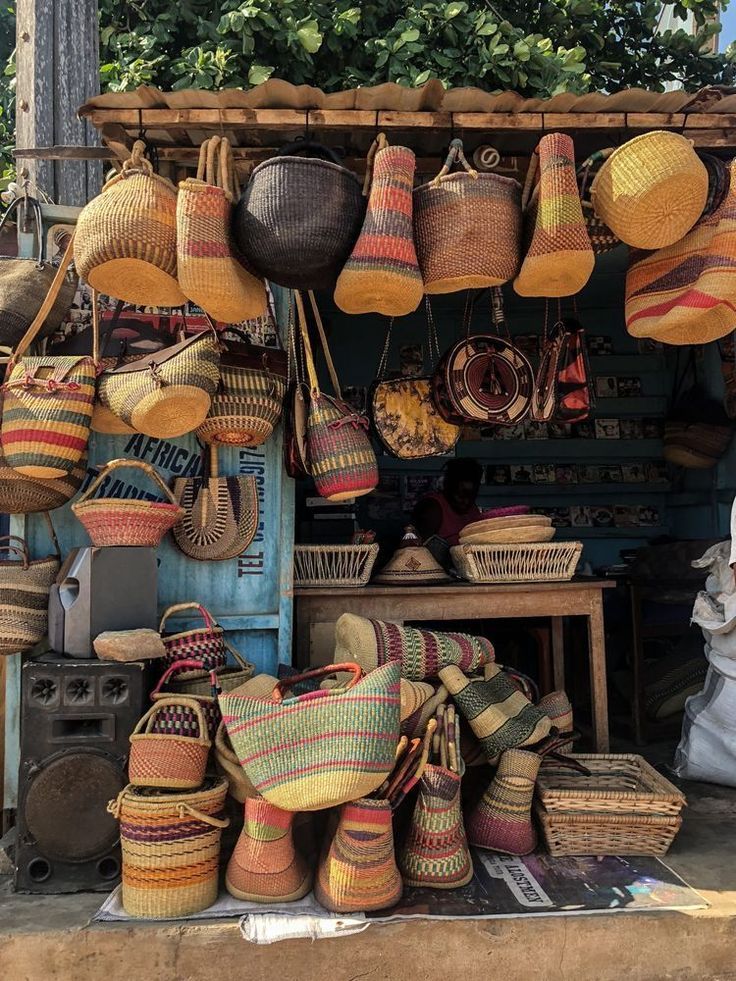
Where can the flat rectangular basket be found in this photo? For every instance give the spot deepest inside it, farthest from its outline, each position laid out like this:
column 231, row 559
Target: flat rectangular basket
column 334, row 565
column 623, row 808
column 539, row 562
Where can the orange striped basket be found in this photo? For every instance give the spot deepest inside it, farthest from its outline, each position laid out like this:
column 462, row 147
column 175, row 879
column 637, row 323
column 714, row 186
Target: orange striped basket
column 171, row 849
column 170, row 760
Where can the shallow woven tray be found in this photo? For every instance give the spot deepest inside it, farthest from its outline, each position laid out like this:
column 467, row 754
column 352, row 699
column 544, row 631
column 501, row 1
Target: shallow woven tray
column 608, row 835
column 333, row 565
column 540, row 562
column 511, row 536
column 507, row 521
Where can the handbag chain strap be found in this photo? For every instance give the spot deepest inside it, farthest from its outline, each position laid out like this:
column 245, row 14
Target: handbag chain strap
column 382, row 364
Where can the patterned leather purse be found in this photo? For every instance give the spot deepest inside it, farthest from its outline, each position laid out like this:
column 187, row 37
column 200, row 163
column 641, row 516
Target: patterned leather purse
column 573, row 379
column 403, row 412
column 221, row 513
column 544, row 396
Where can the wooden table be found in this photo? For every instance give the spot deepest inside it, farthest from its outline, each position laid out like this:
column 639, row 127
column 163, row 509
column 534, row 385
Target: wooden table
column 317, row 609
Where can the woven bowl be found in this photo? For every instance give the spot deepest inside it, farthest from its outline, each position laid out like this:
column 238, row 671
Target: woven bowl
column 108, row 521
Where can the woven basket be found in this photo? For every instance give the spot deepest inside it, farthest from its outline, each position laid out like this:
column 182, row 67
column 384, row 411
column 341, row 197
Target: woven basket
column 547, row 562
column 334, row 565
column 125, row 244
column 696, row 445
column 228, row 765
column 24, row 596
column 208, row 269
column 623, row 808
column 28, row 495
column 171, row 849
column 206, row 644
column 652, row 190
column 175, row 761
column 113, row 521
column 298, row 218
column 467, row 228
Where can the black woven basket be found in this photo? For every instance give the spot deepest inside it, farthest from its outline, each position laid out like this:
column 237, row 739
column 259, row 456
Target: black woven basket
column 299, row 217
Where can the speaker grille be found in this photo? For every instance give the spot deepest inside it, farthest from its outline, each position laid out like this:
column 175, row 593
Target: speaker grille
column 65, row 805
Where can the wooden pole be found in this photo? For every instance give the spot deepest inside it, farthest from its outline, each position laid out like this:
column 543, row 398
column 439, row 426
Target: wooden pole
column 58, row 65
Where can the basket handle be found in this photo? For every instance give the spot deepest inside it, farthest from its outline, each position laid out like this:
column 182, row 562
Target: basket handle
column 228, row 179
column 146, row 723
column 323, row 672
column 138, row 162
column 238, row 657
column 455, row 154
column 21, row 550
column 32, row 203
column 308, row 355
column 319, row 149
column 530, row 179
column 214, row 822
column 181, row 607
column 116, row 465
column 380, row 143
column 325, row 346
column 186, row 664
column 586, row 166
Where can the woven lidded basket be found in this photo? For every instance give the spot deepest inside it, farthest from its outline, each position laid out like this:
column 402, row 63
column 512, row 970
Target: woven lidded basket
column 298, row 218
column 652, row 190
column 542, row 562
column 125, row 244
column 334, row 565
column 171, row 760
column 623, row 808
column 128, row 521
column 171, row 849
column 467, row 228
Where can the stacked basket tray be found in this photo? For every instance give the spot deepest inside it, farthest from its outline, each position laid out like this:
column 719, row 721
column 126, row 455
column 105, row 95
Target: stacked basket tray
column 334, row 565
column 623, row 808
column 514, row 548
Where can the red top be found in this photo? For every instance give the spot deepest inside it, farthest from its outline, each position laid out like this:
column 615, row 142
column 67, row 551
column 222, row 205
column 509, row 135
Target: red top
column 452, row 522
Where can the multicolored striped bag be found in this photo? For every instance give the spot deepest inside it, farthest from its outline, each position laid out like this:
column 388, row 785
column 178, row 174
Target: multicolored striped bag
column 686, row 293
column 24, row 593
column 559, row 257
column 321, row 749
column 205, row 644
column 342, row 460
column 171, row 848
column 250, row 395
column 358, row 871
column 47, row 401
column 382, row 274
column 208, row 268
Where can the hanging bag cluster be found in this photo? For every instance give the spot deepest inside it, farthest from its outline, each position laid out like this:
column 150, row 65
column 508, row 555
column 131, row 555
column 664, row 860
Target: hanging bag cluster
column 209, row 271
column 250, row 395
column 299, row 217
column 382, row 274
column 403, row 411
column 467, row 227
column 126, row 237
column 341, row 458
column 220, row 513
column 25, row 283
column 47, row 401
column 559, row 258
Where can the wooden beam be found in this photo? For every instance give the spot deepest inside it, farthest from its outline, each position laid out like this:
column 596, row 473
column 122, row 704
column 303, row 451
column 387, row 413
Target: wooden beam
column 64, row 153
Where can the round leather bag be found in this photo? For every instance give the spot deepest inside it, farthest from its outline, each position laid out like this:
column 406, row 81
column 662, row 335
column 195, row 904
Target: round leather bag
column 485, row 379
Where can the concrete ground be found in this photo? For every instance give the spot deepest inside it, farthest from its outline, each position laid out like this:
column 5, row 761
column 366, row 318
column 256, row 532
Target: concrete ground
column 49, row 939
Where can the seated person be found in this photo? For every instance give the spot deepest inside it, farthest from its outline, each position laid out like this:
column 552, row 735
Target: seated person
column 445, row 513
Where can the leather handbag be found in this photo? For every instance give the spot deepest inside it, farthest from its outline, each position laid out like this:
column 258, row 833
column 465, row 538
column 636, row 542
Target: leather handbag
column 573, row 378
column 341, row 458
column 544, row 395
column 25, row 283
column 250, row 395
column 167, row 393
column 221, row 513
column 47, row 400
column 484, row 378
column 404, row 415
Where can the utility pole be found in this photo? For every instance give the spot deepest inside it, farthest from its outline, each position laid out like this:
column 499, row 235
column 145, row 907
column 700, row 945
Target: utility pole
column 58, row 69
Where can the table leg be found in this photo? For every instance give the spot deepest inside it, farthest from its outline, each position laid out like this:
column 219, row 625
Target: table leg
column 598, row 689
column 558, row 652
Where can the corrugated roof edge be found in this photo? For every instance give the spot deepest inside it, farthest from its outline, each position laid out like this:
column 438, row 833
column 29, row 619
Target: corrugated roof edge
column 431, row 97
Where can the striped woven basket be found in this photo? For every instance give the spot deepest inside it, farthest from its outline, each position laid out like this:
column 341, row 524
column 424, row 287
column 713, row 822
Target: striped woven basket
column 467, row 228
column 209, row 271
column 171, row 849
column 359, row 872
column 129, row 521
column 169, row 760
column 24, row 595
column 126, row 237
column 320, row 749
column 205, row 643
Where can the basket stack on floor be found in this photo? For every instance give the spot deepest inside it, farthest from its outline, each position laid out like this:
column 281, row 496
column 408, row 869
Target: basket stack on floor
column 364, row 777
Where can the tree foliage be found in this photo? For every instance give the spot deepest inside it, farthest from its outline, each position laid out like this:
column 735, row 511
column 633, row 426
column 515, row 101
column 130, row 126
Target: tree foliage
column 538, row 49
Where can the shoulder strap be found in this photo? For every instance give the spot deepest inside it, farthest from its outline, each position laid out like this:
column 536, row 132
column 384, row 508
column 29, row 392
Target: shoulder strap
column 325, row 346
